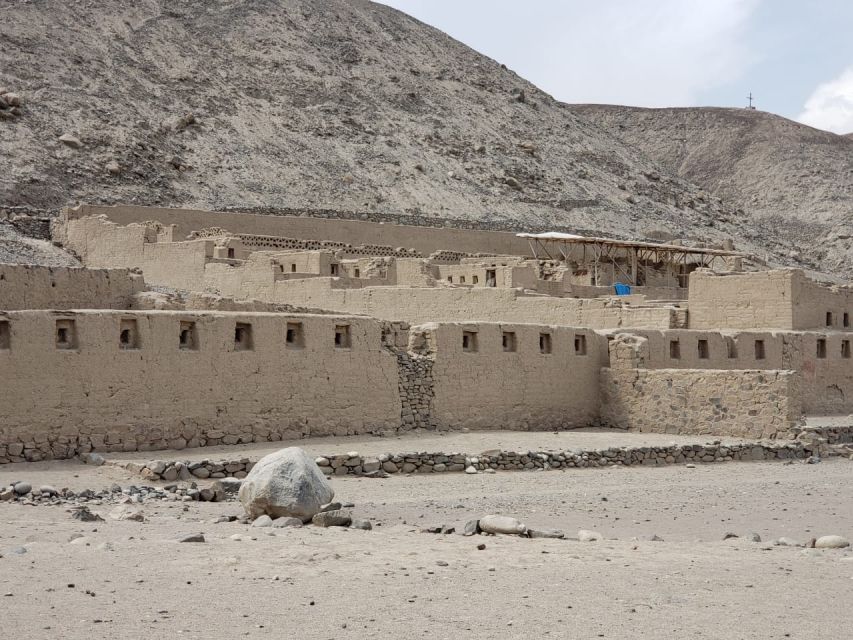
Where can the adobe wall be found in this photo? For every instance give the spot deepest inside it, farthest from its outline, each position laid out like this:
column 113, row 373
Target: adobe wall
column 820, row 306
column 488, row 386
column 481, row 304
column 779, row 299
column 423, row 239
column 35, row 287
column 825, row 373
column 60, row 401
column 740, row 300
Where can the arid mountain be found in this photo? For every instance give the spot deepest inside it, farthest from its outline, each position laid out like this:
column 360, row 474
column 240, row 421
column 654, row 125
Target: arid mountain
column 353, row 106
column 789, row 178
column 341, row 104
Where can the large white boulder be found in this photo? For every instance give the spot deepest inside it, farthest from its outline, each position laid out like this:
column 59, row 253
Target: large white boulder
column 287, row 483
column 502, row 524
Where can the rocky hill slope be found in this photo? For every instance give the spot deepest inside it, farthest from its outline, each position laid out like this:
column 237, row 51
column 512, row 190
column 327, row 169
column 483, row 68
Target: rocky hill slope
column 788, row 177
column 341, row 104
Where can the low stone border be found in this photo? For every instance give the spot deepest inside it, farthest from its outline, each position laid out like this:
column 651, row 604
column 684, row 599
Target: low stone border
column 353, row 463
column 829, row 435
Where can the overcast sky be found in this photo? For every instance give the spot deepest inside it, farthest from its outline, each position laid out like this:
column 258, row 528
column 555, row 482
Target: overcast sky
column 795, row 56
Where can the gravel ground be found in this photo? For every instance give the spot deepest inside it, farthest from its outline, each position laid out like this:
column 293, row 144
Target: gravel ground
column 395, row 581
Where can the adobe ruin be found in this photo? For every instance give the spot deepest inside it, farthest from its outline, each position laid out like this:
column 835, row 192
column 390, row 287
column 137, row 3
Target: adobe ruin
column 188, row 329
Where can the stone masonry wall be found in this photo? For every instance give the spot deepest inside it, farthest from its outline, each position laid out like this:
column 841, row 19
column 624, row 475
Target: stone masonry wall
column 747, row 404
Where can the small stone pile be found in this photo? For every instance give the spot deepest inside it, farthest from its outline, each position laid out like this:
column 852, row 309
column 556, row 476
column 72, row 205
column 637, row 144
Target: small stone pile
column 23, row 493
column 10, row 105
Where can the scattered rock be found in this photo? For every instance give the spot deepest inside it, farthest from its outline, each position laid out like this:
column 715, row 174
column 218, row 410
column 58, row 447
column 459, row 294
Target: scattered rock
column 753, row 537
column 70, row 141
column 113, row 168
column 192, row 537
column 502, row 524
column 285, row 483
column 585, row 535
column 364, row 525
column 831, row 542
column 545, row 533
column 332, row 506
column 83, row 514
column 281, row 523
column 471, row 469
column 95, row 459
column 472, row 527
column 787, row 542
column 127, row 512
column 727, row 536
column 332, row 519
column 262, row 521
column 47, row 490
column 22, row 488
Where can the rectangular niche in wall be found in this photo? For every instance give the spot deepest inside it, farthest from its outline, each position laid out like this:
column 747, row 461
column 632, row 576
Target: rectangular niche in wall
column 509, row 341
column 128, row 334
column 294, row 338
column 544, row 343
column 342, row 336
column 243, row 337
column 188, row 336
column 66, row 334
column 703, row 350
column 821, row 347
column 580, row 345
column 469, row 341
column 759, row 349
column 845, row 348
column 674, row 350
column 731, row 347
column 5, row 335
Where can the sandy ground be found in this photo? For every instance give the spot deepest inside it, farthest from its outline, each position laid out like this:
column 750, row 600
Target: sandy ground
column 397, row 582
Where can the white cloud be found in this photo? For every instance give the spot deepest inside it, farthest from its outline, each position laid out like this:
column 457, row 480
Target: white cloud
column 662, row 53
column 830, row 106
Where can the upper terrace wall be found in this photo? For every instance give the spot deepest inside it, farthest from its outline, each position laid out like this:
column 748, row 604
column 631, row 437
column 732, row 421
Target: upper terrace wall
column 35, row 287
column 461, row 304
column 514, row 376
column 423, row 239
column 92, row 392
column 780, row 299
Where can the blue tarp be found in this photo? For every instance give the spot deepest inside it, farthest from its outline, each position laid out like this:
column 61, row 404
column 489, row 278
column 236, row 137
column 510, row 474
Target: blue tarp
column 622, row 289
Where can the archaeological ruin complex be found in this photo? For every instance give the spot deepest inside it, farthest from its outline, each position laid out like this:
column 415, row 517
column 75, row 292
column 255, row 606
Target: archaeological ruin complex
column 189, row 328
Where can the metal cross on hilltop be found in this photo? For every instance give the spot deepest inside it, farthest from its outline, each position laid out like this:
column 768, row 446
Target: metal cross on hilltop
column 750, row 101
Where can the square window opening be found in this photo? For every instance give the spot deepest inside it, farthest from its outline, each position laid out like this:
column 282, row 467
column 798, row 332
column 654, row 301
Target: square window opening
column 829, row 318
column 450, row 279
column 674, row 350
column 821, row 347
column 230, row 252
column 128, row 334
column 580, row 345
column 243, row 337
column 544, row 343
column 469, row 341
column 704, row 352
column 5, row 335
column 334, row 270
column 475, row 279
column 66, row 334
column 509, row 341
column 357, row 272
column 342, row 336
column 759, row 349
column 188, row 336
column 294, row 337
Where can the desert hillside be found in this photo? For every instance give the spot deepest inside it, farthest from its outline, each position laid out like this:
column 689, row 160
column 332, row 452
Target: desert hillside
column 785, row 175
column 292, row 103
